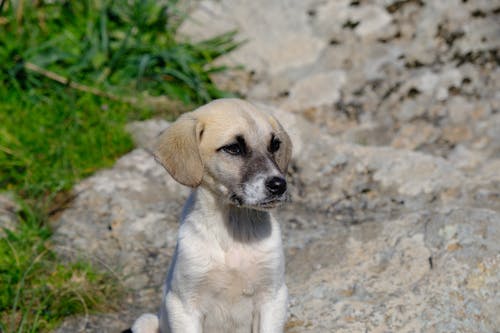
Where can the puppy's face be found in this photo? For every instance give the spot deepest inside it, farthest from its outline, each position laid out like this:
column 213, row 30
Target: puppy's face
column 232, row 148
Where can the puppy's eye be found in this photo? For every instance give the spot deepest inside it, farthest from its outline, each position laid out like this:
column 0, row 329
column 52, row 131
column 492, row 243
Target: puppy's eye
column 232, row 149
column 274, row 146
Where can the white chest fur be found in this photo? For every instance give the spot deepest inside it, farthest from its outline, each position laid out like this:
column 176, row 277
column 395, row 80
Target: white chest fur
column 243, row 272
column 243, row 265
column 226, row 265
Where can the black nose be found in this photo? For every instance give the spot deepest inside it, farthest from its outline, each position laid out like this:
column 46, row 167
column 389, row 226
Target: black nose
column 276, row 185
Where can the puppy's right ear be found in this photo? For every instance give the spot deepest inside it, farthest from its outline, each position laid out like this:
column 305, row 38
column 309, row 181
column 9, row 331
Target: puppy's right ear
column 177, row 150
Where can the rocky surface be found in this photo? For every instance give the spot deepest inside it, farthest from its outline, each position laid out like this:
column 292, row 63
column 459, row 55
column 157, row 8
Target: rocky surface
column 8, row 213
column 393, row 108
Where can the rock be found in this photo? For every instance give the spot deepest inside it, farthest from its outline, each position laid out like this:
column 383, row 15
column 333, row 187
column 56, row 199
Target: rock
column 411, row 173
column 434, row 84
column 399, row 274
column 480, row 35
column 413, row 135
column 145, row 132
column 8, row 213
column 121, row 217
column 459, row 110
column 365, row 20
column 342, row 273
column 290, row 43
column 373, row 19
column 411, row 109
column 394, row 222
column 379, row 58
column 465, row 159
column 102, row 323
column 316, row 90
column 368, row 134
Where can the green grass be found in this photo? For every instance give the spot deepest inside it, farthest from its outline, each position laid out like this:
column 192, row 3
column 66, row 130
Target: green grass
column 52, row 134
column 49, row 141
column 38, row 291
column 116, row 46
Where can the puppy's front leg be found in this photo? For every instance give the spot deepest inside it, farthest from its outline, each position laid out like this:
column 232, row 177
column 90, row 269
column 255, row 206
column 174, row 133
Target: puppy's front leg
column 176, row 318
column 273, row 312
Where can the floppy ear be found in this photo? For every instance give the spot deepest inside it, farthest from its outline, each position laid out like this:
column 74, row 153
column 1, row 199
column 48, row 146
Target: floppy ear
column 284, row 154
column 177, row 150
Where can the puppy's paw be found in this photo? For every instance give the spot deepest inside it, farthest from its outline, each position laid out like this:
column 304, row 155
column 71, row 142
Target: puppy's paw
column 147, row 323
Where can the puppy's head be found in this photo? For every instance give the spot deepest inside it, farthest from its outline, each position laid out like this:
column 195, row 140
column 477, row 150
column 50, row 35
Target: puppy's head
column 232, row 148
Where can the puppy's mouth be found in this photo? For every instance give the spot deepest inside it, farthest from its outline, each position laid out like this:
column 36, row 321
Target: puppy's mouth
column 273, row 203
column 266, row 204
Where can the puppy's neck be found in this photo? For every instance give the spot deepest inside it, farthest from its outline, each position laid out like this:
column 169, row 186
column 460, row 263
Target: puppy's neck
column 239, row 224
column 248, row 225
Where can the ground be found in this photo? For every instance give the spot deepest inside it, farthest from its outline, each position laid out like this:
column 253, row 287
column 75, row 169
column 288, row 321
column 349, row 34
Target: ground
column 393, row 108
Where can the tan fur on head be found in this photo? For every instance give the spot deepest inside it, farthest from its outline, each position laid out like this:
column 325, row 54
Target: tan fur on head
column 192, row 149
column 177, row 150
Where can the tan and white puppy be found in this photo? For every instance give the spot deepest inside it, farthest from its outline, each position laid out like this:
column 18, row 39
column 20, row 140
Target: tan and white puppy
column 227, row 273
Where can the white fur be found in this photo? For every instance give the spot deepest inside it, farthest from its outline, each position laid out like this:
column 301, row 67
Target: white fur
column 147, row 323
column 255, row 189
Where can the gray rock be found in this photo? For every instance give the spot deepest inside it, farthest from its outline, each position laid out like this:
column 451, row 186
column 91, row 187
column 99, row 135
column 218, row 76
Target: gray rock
column 394, row 224
column 357, row 259
column 121, row 217
column 428, row 271
column 145, row 132
column 290, row 43
column 8, row 213
column 480, row 35
column 414, row 135
column 316, row 90
column 368, row 20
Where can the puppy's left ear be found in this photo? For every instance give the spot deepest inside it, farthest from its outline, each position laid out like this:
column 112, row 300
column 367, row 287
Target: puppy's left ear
column 284, row 154
column 177, row 150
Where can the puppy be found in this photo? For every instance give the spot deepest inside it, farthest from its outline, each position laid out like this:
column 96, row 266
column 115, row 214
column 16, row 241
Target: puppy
column 227, row 272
